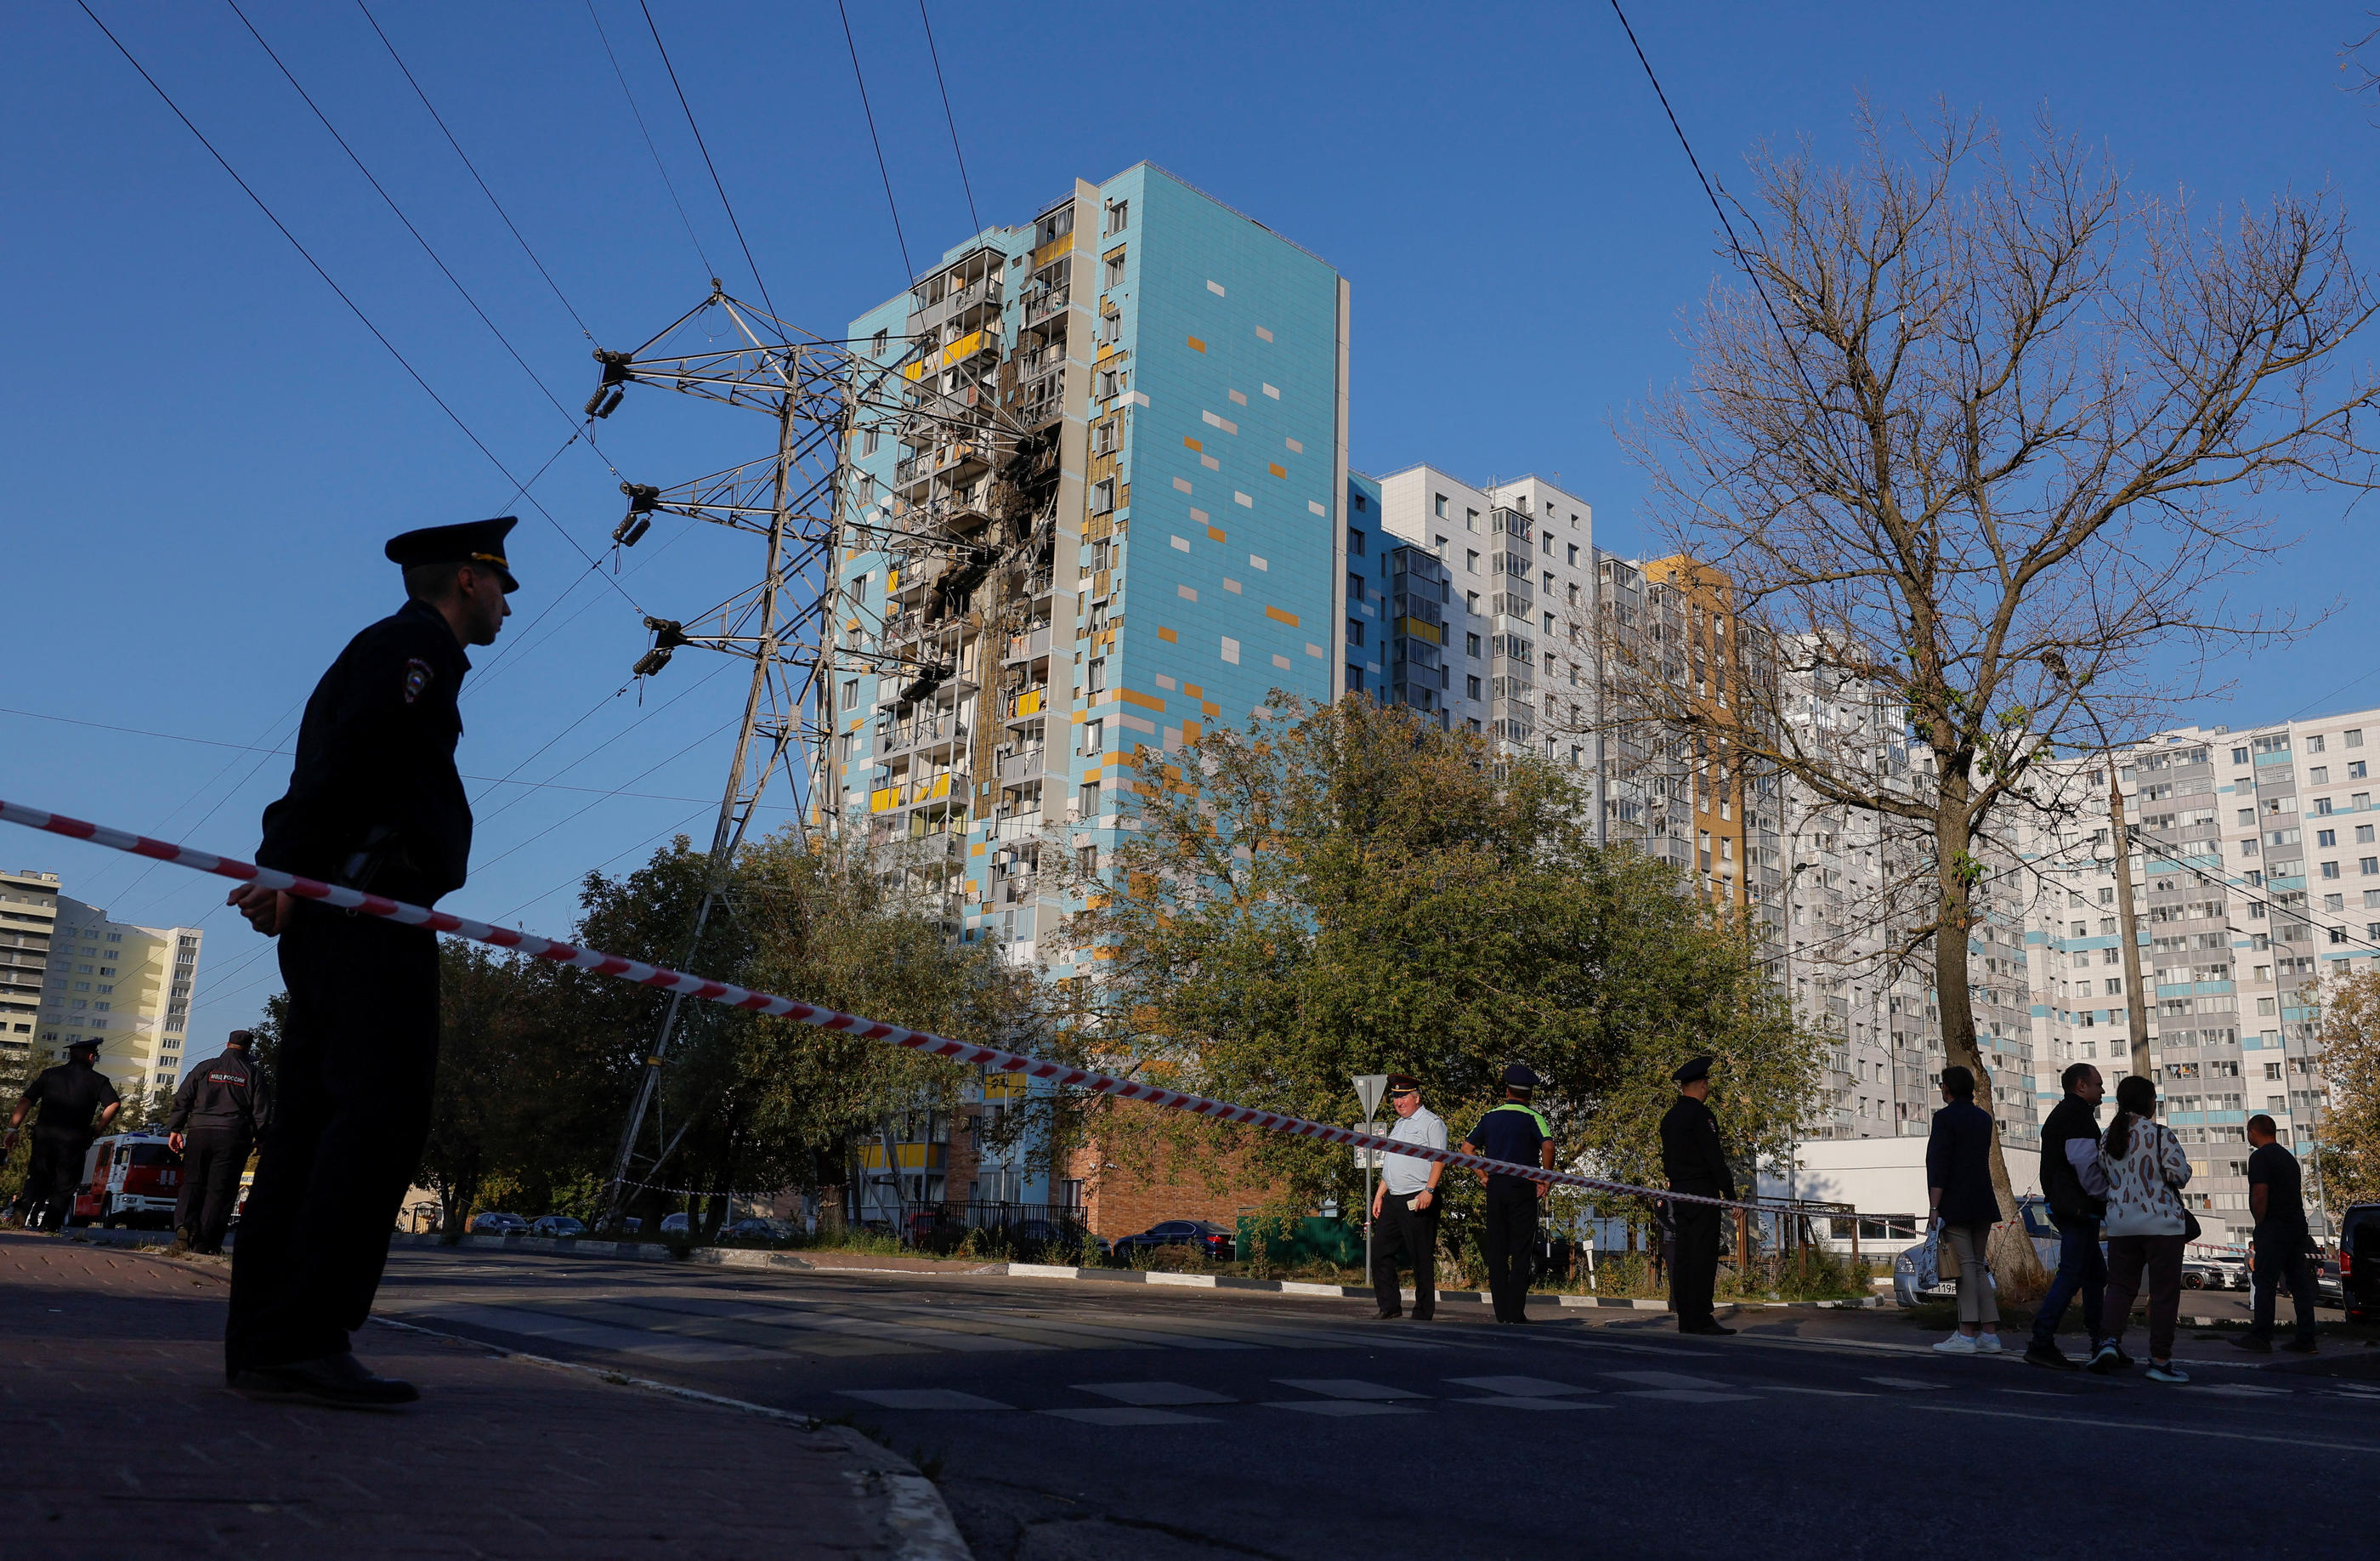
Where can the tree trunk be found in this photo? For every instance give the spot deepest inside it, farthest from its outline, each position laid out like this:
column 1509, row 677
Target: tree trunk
column 2011, row 1256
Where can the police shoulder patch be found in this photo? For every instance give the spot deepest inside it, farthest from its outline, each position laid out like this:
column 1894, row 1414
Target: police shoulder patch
column 418, row 675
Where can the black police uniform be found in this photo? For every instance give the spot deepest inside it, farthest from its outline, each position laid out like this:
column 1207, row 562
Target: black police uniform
column 70, row 1096
column 1695, row 1161
column 216, row 1111
column 375, row 803
column 1515, row 1132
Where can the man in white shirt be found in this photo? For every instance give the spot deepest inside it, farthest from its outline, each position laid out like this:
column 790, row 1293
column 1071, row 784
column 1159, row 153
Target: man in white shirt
column 1404, row 1207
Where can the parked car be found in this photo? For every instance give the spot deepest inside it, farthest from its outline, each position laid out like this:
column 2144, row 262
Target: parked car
column 556, row 1225
column 2330, row 1282
column 2034, row 1211
column 674, row 1224
column 2196, row 1275
column 2359, row 1261
column 1204, row 1237
column 494, row 1224
column 751, row 1230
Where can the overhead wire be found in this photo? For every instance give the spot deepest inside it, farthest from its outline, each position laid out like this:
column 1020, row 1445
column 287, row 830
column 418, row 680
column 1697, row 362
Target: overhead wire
column 436, row 118
column 658, row 166
column 935, row 55
column 1710, row 194
column 882, row 168
column 583, row 429
column 704, row 148
column 520, row 489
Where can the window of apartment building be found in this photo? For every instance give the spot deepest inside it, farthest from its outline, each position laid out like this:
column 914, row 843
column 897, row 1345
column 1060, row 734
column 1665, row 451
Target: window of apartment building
column 1119, row 216
column 1103, row 496
column 1355, row 632
column 2355, row 770
column 2334, row 902
column 1470, row 644
column 1471, row 603
column 1470, row 520
column 2238, row 756
column 1116, row 270
column 1086, row 800
column 2319, row 774
column 871, row 440
column 1095, row 675
column 2330, row 870
column 877, row 345
column 1439, row 510
column 851, row 693
column 1355, row 592
column 1474, row 722
column 2325, row 837
column 1356, row 538
column 1111, row 327
column 1471, row 690
column 2279, row 743
column 1573, row 555
column 2314, row 743
column 1471, row 559
column 1546, row 544
column 1103, row 438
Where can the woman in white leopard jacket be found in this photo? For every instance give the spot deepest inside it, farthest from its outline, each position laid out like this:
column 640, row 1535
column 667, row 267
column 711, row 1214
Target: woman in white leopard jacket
column 2145, row 1223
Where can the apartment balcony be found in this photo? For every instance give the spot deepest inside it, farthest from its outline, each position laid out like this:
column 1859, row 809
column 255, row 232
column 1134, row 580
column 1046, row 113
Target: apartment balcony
column 1022, row 765
column 1042, row 303
column 1025, row 705
column 1028, row 646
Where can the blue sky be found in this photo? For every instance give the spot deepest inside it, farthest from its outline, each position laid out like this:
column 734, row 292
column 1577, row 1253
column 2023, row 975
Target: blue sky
column 206, row 449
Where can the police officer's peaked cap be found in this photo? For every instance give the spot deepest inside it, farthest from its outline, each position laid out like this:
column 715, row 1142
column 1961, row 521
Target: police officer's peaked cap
column 1520, row 1077
column 1698, row 1069
column 472, row 541
column 83, row 1045
column 240, row 1038
column 1402, row 1083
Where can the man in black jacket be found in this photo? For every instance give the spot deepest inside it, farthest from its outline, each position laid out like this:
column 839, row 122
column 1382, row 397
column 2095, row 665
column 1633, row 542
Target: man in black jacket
column 374, row 803
column 1695, row 1161
column 216, row 1114
column 2069, row 1147
column 70, row 1096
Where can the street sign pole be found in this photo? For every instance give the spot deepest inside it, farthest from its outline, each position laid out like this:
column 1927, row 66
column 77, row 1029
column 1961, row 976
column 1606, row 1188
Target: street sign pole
column 1369, row 1088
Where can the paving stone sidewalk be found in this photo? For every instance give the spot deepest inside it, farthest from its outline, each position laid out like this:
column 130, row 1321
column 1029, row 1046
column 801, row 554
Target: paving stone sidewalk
column 123, row 1442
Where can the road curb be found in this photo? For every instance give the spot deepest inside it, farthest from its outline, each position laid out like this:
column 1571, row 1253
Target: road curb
column 920, row 1520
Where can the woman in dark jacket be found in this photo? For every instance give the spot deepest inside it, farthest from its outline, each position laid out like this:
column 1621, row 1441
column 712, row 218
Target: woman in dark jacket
column 1959, row 1185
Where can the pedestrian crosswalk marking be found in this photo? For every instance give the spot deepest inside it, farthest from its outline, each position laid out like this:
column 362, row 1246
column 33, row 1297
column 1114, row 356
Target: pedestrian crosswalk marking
column 1149, row 1394
column 596, row 1336
column 1536, row 1403
column 1347, row 1387
column 1912, row 1383
column 1664, row 1379
column 1691, row 1395
column 1340, row 1407
column 1518, row 1387
column 1129, row 1416
column 921, row 1398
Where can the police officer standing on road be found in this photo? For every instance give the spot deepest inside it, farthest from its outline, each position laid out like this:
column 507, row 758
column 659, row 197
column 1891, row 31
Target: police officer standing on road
column 1512, row 1131
column 374, row 803
column 1695, row 1161
column 69, row 1095
column 213, row 1125
column 1405, row 1206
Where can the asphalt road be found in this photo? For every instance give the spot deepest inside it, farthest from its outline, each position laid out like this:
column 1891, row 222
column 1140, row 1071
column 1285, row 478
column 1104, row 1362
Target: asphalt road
column 1081, row 1420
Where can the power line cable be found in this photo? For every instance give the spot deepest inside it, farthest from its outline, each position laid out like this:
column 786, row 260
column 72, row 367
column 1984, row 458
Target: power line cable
column 658, row 166
column 704, row 148
column 509, row 225
column 935, row 55
column 520, row 489
column 582, row 430
column 1711, row 194
column 893, row 205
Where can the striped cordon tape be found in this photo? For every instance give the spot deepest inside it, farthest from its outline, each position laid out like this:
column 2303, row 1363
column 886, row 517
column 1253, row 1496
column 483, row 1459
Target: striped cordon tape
column 785, row 1008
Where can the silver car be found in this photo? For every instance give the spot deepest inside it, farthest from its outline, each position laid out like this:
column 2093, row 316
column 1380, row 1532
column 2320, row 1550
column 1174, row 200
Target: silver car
column 2034, row 1211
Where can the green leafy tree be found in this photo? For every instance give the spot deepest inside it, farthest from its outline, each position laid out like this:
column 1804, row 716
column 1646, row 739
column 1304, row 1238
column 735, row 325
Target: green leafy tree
column 2350, row 1059
column 1346, row 890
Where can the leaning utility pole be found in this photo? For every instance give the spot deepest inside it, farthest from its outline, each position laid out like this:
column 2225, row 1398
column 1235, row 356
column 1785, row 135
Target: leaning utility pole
column 797, row 501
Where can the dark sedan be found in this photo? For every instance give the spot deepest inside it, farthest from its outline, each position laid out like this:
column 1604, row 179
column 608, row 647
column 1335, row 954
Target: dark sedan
column 1203, row 1237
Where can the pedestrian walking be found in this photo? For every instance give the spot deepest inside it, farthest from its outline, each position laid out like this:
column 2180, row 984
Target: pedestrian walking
column 77, row 1102
column 1406, row 1207
column 2282, row 1241
column 1965, row 1206
column 2075, row 1191
column 213, row 1126
column 1512, row 1131
column 374, row 803
column 1694, row 1162
column 2146, row 1225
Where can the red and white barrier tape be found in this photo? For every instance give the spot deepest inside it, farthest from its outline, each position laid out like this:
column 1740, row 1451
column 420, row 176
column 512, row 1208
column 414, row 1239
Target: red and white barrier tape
column 785, row 1008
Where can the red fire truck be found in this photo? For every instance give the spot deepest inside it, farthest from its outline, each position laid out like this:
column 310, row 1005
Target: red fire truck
column 129, row 1179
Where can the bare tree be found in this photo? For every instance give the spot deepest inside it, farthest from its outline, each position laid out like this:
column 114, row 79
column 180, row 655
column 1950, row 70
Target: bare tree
column 1989, row 439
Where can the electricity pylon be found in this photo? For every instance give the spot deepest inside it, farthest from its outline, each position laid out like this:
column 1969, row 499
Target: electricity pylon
column 798, row 502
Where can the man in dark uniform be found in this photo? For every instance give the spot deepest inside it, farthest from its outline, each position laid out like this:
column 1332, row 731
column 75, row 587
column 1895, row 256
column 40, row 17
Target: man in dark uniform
column 374, row 803
column 214, row 1125
column 69, row 1095
column 1695, row 1161
column 1512, row 1131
